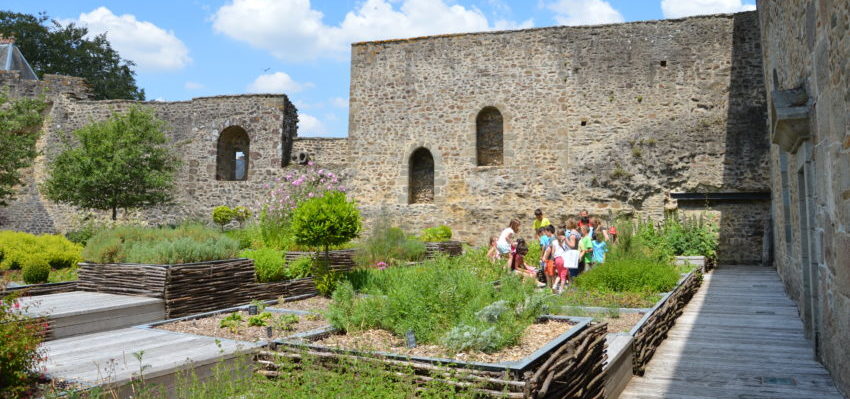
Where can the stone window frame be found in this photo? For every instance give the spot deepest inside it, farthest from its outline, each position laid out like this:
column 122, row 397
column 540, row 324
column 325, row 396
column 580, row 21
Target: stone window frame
column 248, row 157
column 403, row 179
column 472, row 133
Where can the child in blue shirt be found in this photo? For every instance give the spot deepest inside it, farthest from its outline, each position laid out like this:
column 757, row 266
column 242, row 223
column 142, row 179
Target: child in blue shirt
column 600, row 247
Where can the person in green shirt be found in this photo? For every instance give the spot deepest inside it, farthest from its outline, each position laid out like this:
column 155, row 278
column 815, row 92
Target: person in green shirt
column 585, row 247
column 539, row 220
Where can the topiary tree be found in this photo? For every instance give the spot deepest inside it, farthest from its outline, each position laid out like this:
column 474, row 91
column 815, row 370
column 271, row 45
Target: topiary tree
column 121, row 162
column 20, row 124
column 326, row 221
column 241, row 214
column 222, row 215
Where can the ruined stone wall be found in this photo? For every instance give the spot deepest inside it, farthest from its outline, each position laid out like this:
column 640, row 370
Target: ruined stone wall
column 807, row 44
column 609, row 118
column 193, row 128
column 52, row 85
column 328, row 152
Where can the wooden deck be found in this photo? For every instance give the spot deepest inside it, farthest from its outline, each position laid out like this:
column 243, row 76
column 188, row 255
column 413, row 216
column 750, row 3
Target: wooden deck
column 80, row 312
column 740, row 337
column 108, row 357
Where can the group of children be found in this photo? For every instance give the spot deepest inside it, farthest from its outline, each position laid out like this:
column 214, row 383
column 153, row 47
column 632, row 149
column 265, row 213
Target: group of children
column 565, row 252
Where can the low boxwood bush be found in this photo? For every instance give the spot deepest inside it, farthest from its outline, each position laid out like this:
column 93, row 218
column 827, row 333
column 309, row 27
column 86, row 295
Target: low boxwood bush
column 16, row 248
column 183, row 244
column 442, row 302
column 36, row 270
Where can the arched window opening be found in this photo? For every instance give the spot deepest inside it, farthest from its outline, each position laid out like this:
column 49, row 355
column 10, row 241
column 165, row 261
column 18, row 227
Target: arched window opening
column 421, row 183
column 232, row 154
column 489, row 137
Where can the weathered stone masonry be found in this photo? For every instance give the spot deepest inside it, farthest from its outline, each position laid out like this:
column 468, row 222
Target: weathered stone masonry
column 609, row 118
column 193, row 127
column 807, row 60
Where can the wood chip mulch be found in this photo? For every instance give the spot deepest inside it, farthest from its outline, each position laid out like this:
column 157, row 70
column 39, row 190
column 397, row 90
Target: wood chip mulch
column 624, row 323
column 535, row 337
column 312, row 304
column 209, row 326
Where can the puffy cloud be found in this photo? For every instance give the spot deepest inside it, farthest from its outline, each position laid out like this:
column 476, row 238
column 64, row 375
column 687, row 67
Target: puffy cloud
column 339, row 102
column 149, row 46
column 293, row 30
column 679, row 8
column 584, row 12
column 310, row 126
column 193, row 85
column 277, row 82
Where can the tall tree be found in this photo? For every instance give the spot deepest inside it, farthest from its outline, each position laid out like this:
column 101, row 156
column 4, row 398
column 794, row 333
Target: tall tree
column 20, row 124
column 66, row 50
column 120, row 163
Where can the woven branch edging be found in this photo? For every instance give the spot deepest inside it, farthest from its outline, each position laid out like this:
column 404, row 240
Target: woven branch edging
column 40, row 289
column 652, row 330
column 569, row 367
column 189, row 288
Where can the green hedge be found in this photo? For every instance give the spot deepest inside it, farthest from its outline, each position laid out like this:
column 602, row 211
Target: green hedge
column 183, row 244
column 18, row 249
column 636, row 275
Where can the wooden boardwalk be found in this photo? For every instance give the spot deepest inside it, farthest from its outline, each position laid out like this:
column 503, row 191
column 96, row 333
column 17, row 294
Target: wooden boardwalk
column 80, row 312
column 108, row 357
column 740, row 337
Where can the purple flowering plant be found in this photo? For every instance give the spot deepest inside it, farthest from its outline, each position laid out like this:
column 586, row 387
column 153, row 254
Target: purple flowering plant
column 296, row 186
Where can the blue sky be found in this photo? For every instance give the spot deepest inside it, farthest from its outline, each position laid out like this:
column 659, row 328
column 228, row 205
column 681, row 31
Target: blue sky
column 193, row 48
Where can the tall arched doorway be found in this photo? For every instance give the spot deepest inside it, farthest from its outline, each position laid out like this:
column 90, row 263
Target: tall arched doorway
column 421, row 177
column 232, row 154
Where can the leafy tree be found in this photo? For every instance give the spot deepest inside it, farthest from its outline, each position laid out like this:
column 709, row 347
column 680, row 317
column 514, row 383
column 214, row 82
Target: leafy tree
column 325, row 221
column 20, row 124
column 121, row 162
column 222, row 215
column 66, row 50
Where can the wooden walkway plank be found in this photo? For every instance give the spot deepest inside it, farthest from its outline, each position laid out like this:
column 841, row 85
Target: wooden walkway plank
column 740, row 337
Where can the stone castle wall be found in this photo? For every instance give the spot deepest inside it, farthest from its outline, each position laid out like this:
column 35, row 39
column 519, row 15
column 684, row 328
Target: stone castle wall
column 12, row 85
column 807, row 45
column 610, row 118
column 193, row 128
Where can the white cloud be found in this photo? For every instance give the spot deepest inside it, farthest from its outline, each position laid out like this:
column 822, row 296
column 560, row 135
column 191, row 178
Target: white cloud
column 310, row 126
column 339, row 102
column 193, row 85
column 293, row 30
column 277, row 82
column 149, row 46
column 584, row 12
column 680, row 8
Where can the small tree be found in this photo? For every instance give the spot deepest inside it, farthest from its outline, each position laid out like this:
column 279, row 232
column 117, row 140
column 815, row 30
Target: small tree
column 20, row 124
column 326, row 221
column 121, row 162
column 241, row 214
column 222, row 215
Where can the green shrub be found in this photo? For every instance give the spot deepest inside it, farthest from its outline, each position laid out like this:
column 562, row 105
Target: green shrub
column 17, row 247
column 269, row 264
column 183, row 244
column 241, row 214
column 437, row 234
column 442, row 302
column 20, row 337
column 222, row 215
column 389, row 244
column 326, row 221
column 300, row 268
column 36, row 270
column 630, row 275
column 248, row 237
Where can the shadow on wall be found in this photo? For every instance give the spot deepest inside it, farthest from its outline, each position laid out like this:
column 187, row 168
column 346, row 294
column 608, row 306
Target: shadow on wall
column 746, row 163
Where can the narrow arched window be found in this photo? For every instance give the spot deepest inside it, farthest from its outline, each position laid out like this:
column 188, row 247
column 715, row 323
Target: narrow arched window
column 489, row 137
column 421, row 183
column 232, row 154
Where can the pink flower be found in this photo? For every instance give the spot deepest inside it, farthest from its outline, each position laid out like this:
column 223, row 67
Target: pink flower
column 310, row 195
column 310, row 163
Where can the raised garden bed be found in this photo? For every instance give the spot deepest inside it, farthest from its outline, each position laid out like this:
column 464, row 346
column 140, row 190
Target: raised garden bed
column 569, row 365
column 451, row 248
column 189, row 288
column 40, row 289
column 209, row 324
column 652, row 329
